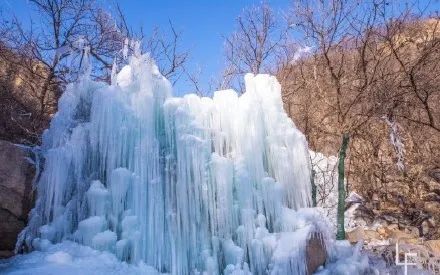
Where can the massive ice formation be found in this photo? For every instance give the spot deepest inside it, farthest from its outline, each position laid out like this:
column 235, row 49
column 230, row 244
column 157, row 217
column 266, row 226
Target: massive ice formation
column 185, row 185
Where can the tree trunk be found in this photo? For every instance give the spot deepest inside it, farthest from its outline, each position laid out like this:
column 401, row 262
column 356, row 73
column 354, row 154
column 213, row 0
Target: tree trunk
column 44, row 90
column 341, row 188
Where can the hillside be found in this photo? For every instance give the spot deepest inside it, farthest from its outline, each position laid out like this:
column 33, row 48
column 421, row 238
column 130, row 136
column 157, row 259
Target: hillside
column 25, row 111
column 388, row 99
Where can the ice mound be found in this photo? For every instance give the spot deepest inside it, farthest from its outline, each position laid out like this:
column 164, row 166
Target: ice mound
column 345, row 259
column 182, row 185
column 69, row 258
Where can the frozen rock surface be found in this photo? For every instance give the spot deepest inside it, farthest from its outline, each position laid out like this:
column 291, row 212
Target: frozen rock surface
column 181, row 185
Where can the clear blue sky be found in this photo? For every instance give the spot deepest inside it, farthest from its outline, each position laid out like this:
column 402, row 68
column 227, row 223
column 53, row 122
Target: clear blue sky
column 203, row 23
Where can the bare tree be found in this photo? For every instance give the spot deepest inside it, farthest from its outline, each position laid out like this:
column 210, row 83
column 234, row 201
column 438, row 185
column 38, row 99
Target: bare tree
column 194, row 80
column 49, row 55
column 352, row 79
column 168, row 52
column 416, row 69
column 257, row 42
column 341, row 34
column 57, row 45
column 164, row 46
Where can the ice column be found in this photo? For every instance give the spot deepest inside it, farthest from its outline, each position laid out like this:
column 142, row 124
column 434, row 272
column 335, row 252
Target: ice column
column 186, row 185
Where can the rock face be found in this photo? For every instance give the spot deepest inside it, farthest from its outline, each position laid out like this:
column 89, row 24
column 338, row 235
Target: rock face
column 433, row 246
column 355, row 235
column 316, row 253
column 16, row 174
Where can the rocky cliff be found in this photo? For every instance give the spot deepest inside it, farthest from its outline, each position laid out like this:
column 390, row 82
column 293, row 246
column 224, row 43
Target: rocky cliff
column 16, row 175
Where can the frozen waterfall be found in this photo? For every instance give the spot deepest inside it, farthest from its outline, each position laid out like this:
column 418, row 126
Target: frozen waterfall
column 186, row 185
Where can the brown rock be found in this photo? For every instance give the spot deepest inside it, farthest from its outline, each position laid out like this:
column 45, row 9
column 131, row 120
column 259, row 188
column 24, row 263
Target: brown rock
column 390, row 228
column 16, row 175
column 391, row 219
column 414, row 231
column 431, row 197
column 356, row 235
column 419, row 204
column 316, row 253
column 433, row 246
column 382, row 232
column 402, row 240
column 435, row 174
column 433, row 186
column 6, row 254
column 431, row 222
column 426, row 227
column 372, row 235
column 397, row 234
column 432, row 207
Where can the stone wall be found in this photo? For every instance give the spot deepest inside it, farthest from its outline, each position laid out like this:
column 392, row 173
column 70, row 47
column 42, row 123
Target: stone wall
column 16, row 175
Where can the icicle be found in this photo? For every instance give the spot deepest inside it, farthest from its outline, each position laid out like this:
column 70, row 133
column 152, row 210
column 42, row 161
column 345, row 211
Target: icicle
column 114, row 73
column 125, row 49
column 86, row 67
column 136, row 46
column 185, row 185
column 396, row 141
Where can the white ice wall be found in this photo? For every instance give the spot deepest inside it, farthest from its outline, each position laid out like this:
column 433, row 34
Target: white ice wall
column 183, row 184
